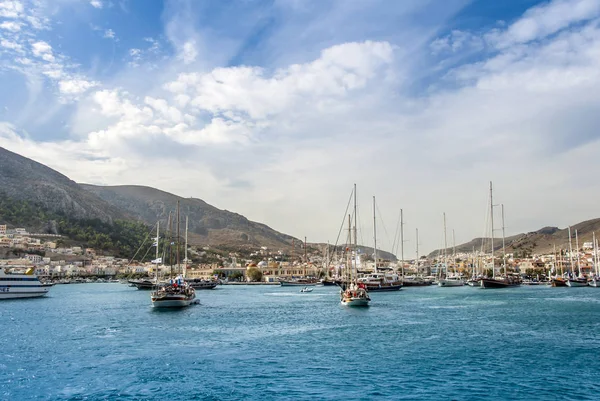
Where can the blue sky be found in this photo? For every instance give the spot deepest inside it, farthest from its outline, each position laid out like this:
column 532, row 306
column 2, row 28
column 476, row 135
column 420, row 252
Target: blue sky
column 273, row 109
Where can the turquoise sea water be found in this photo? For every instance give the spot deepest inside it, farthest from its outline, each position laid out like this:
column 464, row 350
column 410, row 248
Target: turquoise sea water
column 105, row 342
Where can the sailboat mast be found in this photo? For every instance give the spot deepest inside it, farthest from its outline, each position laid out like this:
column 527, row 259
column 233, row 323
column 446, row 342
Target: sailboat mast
column 374, row 236
column 503, row 244
column 177, row 252
column 417, row 260
column 595, row 253
column 157, row 239
column 355, row 237
column 170, row 246
column 492, row 222
column 445, row 247
column 402, row 241
column 185, row 261
column 305, row 258
column 570, row 253
column 349, row 250
column 453, row 252
column 577, row 250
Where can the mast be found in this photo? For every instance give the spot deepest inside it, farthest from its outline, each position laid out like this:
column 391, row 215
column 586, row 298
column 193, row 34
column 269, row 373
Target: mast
column 577, row 249
column 374, row 236
column 402, row 241
column 177, row 252
column 305, row 258
column 492, row 222
column 445, row 247
column 170, row 246
column 157, row 239
column 503, row 245
column 185, row 260
column 595, row 253
column 417, row 260
column 555, row 263
column 349, row 249
column 454, row 252
column 570, row 253
column 355, row 237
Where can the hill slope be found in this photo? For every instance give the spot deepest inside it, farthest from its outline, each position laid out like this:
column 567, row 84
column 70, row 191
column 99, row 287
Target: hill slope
column 207, row 224
column 541, row 241
column 22, row 179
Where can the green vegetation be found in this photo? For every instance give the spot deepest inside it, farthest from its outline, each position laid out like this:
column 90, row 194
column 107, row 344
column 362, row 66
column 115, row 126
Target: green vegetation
column 122, row 237
column 254, row 274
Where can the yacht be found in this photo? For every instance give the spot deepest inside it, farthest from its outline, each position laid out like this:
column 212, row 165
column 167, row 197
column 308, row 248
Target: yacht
column 27, row 285
column 377, row 282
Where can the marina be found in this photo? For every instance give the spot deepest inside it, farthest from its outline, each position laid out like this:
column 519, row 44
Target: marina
column 259, row 342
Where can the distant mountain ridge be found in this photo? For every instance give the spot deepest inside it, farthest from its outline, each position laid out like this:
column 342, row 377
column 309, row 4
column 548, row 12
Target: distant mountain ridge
column 207, row 224
column 542, row 241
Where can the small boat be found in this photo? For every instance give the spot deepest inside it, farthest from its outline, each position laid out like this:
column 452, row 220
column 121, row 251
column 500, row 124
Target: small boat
column 306, row 289
column 499, row 282
column 144, row 284
column 474, row 282
column 380, row 282
column 199, row 284
column 577, row 282
column 594, row 282
column 14, row 285
column 176, row 294
column 355, row 295
column 559, row 282
column 451, row 282
column 298, row 282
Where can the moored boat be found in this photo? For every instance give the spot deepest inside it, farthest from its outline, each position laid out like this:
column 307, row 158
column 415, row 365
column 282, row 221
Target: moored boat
column 298, row 282
column 559, row 282
column 499, row 282
column 577, row 282
column 176, row 294
column 199, row 284
column 451, row 282
column 27, row 285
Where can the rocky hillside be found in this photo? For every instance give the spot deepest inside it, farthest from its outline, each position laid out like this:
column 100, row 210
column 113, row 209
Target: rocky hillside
column 22, row 179
column 207, row 224
column 541, row 241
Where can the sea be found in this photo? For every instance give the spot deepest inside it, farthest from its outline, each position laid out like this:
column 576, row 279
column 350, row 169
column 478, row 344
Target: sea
column 105, row 342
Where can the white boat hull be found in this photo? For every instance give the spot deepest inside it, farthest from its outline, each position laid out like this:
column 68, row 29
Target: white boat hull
column 19, row 293
column 451, row 283
column 594, row 283
column 574, row 283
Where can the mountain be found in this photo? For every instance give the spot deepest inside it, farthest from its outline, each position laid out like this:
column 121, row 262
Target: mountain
column 542, row 241
column 207, row 224
column 22, row 179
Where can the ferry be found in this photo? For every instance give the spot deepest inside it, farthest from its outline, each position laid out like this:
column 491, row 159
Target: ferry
column 27, row 285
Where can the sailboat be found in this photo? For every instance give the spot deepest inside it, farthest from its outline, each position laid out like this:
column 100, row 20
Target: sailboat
column 377, row 281
column 579, row 280
column 595, row 279
column 448, row 281
column 176, row 293
column 352, row 292
column 498, row 282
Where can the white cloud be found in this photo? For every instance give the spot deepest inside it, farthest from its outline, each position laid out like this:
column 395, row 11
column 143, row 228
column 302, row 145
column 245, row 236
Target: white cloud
column 40, row 48
column 96, row 3
column 10, row 9
column 110, row 34
column 75, row 86
column 189, row 52
column 11, row 45
column 11, row 26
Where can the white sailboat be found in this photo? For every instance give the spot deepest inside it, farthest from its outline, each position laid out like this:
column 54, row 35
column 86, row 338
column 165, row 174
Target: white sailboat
column 579, row 280
column 353, row 293
column 448, row 281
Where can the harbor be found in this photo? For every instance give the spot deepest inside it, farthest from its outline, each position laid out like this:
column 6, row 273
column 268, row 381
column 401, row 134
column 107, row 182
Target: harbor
column 105, row 341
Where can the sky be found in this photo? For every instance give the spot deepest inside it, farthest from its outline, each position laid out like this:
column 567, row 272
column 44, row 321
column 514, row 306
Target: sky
column 274, row 108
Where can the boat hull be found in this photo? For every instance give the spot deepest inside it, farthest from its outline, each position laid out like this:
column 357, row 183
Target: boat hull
column 559, row 283
column 409, row 283
column 577, row 283
column 594, row 283
column 172, row 301
column 451, row 283
column 355, row 302
column 384, row 288
column 203, row 285
column 295, row 284
column 142, row 284
column 16, row 294
column 494, row 283
column 473, row 283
